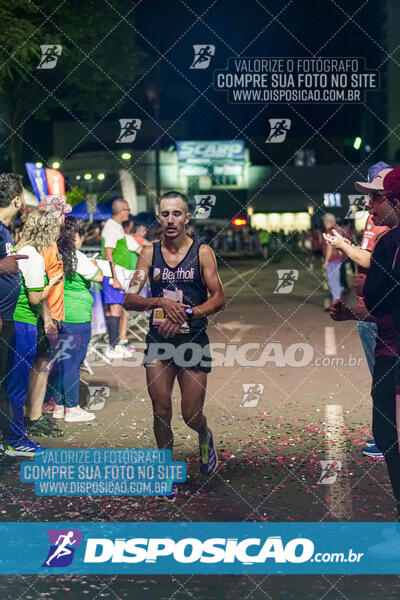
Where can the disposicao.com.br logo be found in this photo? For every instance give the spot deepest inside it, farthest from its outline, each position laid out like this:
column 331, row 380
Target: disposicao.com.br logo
column 247, row 551
column 62, row 547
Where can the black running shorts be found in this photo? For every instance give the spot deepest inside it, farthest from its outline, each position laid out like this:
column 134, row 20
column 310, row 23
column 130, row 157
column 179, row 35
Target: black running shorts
column 184, row 351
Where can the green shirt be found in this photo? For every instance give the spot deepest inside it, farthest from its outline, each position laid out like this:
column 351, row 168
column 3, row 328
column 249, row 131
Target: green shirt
column 78, row 299
column 113, row 236
column 34, row 279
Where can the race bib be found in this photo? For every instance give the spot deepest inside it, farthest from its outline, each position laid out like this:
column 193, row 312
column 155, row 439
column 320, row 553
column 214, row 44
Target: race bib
column 158, row 313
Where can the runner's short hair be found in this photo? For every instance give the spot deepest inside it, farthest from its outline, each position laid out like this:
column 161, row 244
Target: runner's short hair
column 173, row 194
column 10, row 187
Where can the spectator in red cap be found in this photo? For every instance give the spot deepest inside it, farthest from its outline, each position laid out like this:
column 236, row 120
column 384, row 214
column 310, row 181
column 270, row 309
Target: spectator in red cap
column 382, row 299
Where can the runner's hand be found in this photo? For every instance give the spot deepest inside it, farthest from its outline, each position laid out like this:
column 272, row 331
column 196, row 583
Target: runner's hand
column 56, row 279
column 340, row 312
column 51, row 332
column 175, row 311
column 167, row 329
column 116, row 284
column 9, row 264
column 335, row 239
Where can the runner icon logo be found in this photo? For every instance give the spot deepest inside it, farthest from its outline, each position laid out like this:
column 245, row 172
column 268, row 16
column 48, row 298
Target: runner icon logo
column 202, row 56
column 97, row 396
column 129, row 129
column 251, row 394
column 286, row 279
column 357, row 206
column 65, row 343
column 50, row 54
column 278, row 130
column 132, row 282
column 62, row 547
column 329, row 471
column 204, row 206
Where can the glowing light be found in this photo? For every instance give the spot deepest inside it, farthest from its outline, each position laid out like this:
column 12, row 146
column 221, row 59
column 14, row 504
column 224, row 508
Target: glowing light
column 38, row 165
column 239, row 222
column 87, row 176
column 126, row 155
column 101, row 176
column 357, row 143
column 55, row 164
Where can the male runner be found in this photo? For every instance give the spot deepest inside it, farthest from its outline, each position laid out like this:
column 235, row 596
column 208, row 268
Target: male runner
column 185, row 270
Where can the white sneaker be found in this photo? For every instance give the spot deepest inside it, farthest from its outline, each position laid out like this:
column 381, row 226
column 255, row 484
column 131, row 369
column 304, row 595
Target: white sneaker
column 78, row 415
column 59, row 411
column 124, row 350
column 127, row 345
column 113, row 353
column 118, row 352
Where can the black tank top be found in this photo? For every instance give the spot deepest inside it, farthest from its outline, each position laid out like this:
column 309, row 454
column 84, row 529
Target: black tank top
column 186, row 276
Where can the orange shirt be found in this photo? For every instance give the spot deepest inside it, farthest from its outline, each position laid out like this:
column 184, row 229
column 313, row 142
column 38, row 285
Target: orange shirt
column 54, row 265
column 138, row 238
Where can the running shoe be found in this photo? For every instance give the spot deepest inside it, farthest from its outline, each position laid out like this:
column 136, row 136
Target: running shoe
column 208, row 456
column 125, row 350
column 117, row 352
column 169, row 497
column 370, row 442
column 372, row 451
column 48, row 405
column 59, row 411
column 127, row 346
column 25, row 447
column 76, row 414
column 42, row 427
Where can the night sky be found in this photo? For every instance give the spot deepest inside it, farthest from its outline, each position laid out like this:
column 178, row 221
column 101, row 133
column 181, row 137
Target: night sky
column 246, row 28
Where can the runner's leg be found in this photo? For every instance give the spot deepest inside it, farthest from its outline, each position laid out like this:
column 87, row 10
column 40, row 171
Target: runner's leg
column 193, row 386
column 160, row 378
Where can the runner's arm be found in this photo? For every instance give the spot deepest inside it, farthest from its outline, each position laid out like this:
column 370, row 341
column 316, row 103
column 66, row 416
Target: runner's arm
column 327, row 255
column 339, row 311
column 109, row 256
column 132, row 299
column 358, row 255
column 216, row 301
column 36, row 297
column 174, row 310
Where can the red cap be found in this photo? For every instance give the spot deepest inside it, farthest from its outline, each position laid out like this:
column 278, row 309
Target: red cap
column 391, row 183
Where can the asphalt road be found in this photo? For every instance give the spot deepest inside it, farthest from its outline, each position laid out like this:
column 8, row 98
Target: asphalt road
column 309, row 402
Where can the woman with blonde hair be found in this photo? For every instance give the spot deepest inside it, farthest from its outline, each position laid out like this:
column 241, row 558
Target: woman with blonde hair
column 40, row 231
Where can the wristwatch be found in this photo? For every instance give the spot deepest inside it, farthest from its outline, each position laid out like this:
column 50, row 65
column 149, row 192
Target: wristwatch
column 189, row 312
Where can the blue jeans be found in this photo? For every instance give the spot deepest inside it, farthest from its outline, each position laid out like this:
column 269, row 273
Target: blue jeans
column 333, row 271
column 19, row 370
column 368, row 332
column 66, row 370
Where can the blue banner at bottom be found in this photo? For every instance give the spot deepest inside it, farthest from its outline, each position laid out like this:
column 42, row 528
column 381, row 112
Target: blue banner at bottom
column 201, row 548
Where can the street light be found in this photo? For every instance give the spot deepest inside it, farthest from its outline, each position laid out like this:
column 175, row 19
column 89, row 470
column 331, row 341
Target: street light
column 126, row 156
column 38, row 165
column 55, row 165
column 101, row 176
column 87, row 176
